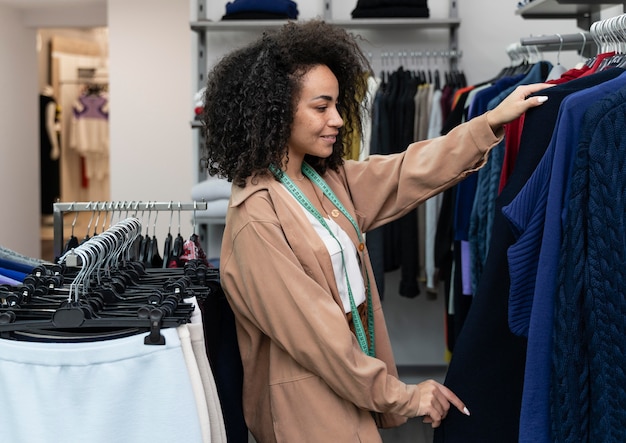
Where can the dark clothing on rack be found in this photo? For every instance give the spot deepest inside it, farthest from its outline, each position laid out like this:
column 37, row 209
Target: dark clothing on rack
column 394, row 113
column 223, row 351
column 487, row 367
column 537, row 214
column 50, row 180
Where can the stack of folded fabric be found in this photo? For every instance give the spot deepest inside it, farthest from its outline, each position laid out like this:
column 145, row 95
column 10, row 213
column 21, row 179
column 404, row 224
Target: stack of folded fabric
column 15, row 267
column 261, row 10
column 391, row 8
column 216, row 193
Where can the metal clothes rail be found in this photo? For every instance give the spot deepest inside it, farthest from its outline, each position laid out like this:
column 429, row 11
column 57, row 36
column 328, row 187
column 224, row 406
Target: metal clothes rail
column 129, row 207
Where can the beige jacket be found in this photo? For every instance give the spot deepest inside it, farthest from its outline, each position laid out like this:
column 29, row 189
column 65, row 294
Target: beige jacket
column 305, row 376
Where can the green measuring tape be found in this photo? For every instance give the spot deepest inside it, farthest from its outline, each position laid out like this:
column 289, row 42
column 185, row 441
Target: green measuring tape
column 304, row 201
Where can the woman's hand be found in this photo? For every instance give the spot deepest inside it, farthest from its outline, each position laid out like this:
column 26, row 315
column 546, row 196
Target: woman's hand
column 435, row 401
column 515, row 104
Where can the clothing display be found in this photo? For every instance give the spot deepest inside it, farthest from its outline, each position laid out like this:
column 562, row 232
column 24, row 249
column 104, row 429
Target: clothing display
column 406, row 106
column 118, row 349
column 536, row 292
column 128, row 336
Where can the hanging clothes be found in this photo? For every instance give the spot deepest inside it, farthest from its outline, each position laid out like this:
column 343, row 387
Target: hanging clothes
column 89, row 136
column 489, row 363
column 589, row 308
column 536, row 214
column 402, row 107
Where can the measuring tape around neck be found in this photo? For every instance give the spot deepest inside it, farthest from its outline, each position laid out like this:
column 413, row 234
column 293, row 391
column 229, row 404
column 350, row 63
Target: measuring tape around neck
column 306, row 203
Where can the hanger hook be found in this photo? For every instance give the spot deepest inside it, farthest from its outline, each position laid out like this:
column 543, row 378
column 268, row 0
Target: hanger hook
column 169, row 206
column 582, row 49
column 179, row 209
column 558, row 54
column 75, row 218
column 195, row 206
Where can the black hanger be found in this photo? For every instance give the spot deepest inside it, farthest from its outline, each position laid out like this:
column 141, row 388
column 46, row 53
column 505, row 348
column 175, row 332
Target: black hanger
column 98, row 304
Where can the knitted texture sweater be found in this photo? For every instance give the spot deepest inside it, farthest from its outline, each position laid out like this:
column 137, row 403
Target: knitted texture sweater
column 588, row 380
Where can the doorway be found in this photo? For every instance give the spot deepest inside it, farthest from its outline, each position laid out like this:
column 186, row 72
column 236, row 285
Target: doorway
column 74, row 148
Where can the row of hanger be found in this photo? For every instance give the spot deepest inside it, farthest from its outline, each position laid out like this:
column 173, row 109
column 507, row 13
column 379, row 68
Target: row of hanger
column 98, row 291
column 146, row 247
column 604, row 36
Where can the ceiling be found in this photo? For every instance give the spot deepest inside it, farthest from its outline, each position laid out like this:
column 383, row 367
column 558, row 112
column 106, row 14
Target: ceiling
column 47, row 4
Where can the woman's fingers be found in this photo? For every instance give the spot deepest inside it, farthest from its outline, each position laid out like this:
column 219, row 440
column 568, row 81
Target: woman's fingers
column 456, row 401
column 436, row 402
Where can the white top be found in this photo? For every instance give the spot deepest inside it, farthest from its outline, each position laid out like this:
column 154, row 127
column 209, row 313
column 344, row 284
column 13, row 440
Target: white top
column 350, row 256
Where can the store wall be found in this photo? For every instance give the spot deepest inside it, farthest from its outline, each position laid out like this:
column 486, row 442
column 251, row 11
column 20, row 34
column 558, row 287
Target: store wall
column 150, row 71
column 19, row 140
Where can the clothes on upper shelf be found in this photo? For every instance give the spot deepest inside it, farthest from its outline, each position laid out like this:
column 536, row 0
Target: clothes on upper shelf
column 543, row 268
column 261, row 10
column 391, row 9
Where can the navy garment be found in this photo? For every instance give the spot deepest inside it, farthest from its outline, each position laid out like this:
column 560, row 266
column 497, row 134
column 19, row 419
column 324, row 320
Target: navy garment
column 588, row 385
column 287, row 8
column 536, row 215
column 23, row 268
column 487, row 367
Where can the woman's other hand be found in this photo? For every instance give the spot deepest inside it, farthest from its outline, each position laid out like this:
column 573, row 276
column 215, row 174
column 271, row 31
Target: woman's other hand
column 515, row 104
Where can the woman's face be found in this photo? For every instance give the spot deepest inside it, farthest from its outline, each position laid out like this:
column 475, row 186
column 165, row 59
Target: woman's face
column 316, row 120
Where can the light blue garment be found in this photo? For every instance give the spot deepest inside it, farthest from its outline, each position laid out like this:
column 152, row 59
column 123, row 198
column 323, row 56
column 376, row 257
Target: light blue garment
column 118, row 390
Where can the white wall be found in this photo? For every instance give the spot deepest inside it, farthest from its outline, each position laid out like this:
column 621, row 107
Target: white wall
column 19, row 129
column 151, row 108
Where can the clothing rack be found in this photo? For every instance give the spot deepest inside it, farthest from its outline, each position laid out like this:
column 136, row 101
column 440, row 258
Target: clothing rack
column 603, row 36
column 131, row 207
column 581, row 41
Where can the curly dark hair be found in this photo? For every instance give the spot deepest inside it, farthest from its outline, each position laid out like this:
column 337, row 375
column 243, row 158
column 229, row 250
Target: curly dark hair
column 251, row 95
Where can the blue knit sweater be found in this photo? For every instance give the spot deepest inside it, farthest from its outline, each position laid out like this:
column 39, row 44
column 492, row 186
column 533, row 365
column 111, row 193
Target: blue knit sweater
column 588, row 392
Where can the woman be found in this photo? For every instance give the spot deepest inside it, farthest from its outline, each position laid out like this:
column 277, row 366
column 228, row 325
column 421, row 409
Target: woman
column 318, row 365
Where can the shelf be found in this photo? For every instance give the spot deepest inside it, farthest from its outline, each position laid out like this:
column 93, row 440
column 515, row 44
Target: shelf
column 379, row 23
column 564, row 8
